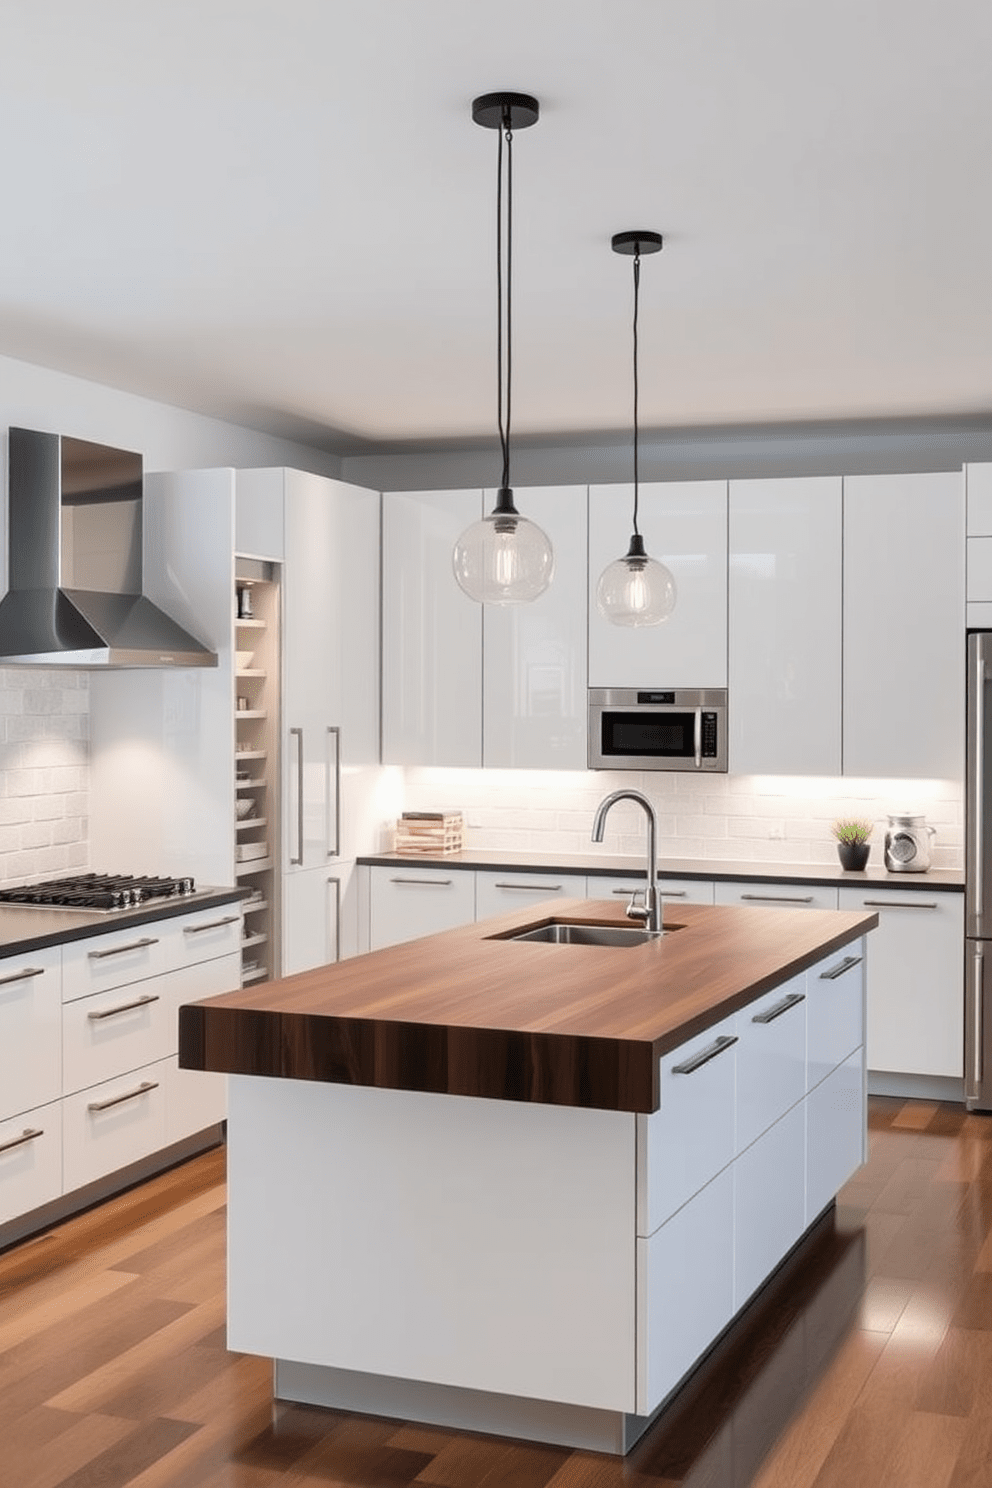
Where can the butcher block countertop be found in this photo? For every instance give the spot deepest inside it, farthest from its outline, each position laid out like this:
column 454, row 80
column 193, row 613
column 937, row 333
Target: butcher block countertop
column 469, row 1012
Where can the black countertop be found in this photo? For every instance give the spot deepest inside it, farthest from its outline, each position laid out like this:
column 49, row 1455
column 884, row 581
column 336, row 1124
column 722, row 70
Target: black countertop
column 715, row 869
column 26, row 928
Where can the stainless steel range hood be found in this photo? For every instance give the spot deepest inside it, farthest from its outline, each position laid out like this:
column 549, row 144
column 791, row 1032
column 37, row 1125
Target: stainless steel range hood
column 74, row 536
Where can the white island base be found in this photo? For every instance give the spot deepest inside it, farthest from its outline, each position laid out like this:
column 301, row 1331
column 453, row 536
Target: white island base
column 547, row 1272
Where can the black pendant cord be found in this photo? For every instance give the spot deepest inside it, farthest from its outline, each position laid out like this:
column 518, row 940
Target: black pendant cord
column 503, row 399
column 637, row 286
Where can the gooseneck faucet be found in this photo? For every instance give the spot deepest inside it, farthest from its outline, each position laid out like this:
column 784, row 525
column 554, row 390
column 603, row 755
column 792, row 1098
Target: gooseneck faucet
column 650, row 910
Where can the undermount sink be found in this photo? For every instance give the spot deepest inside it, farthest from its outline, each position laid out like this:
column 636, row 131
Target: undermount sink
column 565, row 932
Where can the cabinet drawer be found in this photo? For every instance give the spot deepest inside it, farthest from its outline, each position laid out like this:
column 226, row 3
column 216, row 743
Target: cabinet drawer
column 113, row 1124
column 771, row 1058
column 408, row 902
column 685, row 1289
column 674, row 891
column 769, row 1202
column 30, row 1030
column 683, row 1144
column 112, row 959
column 835, row 1011
column 30, row 1161
column 195, row 1099
column 776, row 896
column 500, row 893
column 203, row 936
column 109, row 1033
column 835, row 1132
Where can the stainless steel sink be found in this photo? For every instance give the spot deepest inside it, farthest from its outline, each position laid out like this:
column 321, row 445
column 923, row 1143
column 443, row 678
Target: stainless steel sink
column 564, row 932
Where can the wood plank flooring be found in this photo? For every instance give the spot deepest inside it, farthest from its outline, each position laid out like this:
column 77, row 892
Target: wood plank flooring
column 867, row 1361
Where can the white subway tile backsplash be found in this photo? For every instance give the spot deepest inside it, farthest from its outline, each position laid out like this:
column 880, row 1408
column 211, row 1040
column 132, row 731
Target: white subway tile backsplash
column 44, row 773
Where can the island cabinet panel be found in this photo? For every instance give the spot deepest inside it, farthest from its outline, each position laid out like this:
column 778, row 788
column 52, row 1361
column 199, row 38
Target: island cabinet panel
column 835, row 1017
column 496, row 893
column 483, row 1244
column 771, row 1058
column 685, row 1288
column 769, row 1201
column 405, row 903
column 30, row 1030
column 835, row 1132
column 30, row 1160
column 690, row 1138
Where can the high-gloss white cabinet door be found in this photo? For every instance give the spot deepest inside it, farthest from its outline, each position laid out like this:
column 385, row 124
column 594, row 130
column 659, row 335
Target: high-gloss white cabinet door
column 769, row 1201
column 107, row 1126
column 835, row 1133
column 312, row 903
column 835, row 1021
column 685, row 1289
column 534, row 655
column 785, row 627
column 690, row 1138
column 30, row 1160
column 431, row 633
column 776, row 896
column 501, row 893
column 915, row 980
column 904, row 606
column 259, row 522
column 684, row 525
column 30, row 1030
column 771, row 1058
column 978, row 488
column 674, row 891
column 405, row 903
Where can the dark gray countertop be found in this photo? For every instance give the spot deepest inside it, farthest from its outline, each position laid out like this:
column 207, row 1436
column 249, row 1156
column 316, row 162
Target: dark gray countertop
column 27, row 929
column 705, row 868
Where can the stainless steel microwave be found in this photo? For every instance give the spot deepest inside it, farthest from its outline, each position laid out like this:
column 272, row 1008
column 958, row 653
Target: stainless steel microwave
column 682, row 728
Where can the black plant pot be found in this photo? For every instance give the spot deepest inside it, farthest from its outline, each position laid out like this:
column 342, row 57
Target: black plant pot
column 853, row 855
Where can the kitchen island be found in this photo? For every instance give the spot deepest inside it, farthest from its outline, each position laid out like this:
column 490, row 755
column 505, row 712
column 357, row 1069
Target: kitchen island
column 522, row 1187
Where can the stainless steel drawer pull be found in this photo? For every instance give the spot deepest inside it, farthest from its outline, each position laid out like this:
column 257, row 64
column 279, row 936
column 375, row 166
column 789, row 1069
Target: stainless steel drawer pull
column 132, row 945
column 29, row 1134
column 116, row 1100
column 21, row 976
column 840, row 968
column 769, row 1016
column 427, row 883
column 125, row 1007
column 705, row 1055
column 211, row 925
column 781, row 898
column 531, row 888
column 899, row 904
column 665, row 893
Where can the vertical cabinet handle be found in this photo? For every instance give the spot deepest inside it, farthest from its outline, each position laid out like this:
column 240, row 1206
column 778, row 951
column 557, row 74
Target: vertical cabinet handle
column 297, row 857
column 333, row 732
column 337, row 917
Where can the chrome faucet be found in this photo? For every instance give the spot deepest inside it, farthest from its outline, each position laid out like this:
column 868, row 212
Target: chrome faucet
column 650, row 910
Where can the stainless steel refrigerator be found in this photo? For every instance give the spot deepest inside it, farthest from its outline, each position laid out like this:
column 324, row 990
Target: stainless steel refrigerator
column 978, row 877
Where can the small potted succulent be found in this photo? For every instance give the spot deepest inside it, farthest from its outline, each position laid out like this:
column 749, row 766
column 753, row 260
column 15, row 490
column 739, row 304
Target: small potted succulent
column 852, row 841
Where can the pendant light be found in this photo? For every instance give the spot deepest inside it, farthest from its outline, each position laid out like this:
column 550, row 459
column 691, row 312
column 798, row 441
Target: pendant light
column 504, row 559
column 636, row 589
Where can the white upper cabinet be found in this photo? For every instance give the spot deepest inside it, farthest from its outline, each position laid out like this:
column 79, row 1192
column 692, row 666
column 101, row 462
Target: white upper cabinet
column 431, row 633
column 785, row 627
column 258, row 514
column 684, row 525
column 904, row 598
column 978, row 488
column 534, row 655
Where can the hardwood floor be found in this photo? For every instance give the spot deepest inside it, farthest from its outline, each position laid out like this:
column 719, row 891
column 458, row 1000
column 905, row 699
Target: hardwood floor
column 867, row 1361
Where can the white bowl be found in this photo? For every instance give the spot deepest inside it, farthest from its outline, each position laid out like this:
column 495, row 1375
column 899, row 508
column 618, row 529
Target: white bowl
column 244, row 807
column 243, row 660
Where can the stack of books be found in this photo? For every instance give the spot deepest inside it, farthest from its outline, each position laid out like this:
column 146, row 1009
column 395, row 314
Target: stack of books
column 430, row 832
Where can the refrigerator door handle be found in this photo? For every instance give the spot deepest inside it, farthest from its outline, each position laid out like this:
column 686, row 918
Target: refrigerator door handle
column 978, row 790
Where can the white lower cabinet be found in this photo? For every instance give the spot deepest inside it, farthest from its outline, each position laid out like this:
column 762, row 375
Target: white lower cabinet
column 769, row 1201
column 777, row 896
column 311, row 909
column 30, row 1160
column 499, row 893
column 835, row 1133
column 685, row 1289
column 405, row 903
column 916, row 986
column 113, row 1124
column 30, row 1030
column 674, row 890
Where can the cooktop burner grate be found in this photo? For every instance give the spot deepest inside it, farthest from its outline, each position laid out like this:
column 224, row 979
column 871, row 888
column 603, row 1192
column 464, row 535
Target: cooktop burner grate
column 96, row 891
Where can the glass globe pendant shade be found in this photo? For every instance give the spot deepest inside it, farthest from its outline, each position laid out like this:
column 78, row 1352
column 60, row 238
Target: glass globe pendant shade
column 504, row 559
column 636, row 589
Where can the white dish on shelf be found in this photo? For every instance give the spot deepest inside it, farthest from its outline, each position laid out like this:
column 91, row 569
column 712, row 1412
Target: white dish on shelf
column 243, row 660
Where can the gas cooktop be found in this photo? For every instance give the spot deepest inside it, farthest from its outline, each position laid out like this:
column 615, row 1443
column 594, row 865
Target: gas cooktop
column 100, row 891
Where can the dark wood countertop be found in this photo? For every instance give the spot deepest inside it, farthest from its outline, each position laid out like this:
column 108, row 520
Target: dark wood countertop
column 718, row 870
column 23, row 928
column 469, row 1012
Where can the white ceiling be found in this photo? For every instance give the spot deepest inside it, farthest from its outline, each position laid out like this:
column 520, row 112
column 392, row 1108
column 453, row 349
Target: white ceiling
column 280, row 212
